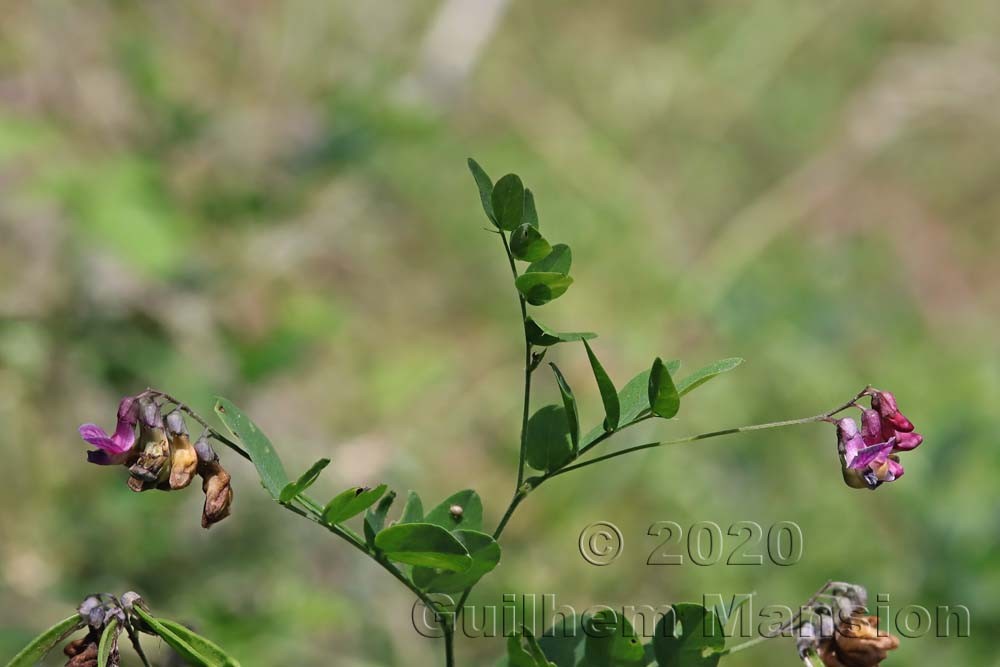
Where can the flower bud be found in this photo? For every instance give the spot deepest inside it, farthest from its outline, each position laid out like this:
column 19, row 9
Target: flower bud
column 183, row 458
column 204, row 451
column 871, row 427
column 456, row 512
column 885, row 403
column 218, row 493
column 806, row 642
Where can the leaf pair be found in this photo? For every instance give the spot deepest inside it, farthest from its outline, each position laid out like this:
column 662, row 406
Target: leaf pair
column 192, row 647
column 511, row 208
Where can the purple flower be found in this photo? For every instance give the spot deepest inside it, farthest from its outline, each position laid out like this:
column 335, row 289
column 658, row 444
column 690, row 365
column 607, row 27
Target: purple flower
column 869, row 455
column 885, row 403
column 113, row 449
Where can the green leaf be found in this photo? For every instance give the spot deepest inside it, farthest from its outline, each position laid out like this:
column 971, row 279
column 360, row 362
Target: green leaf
column 634, row 396
column 413, row 510
column 664, row 401
column 548, row 441
column 540, row 288
column 612, row 642
column 189, row 653
column 539, row 334
column 684, row 636
column 35, row 651
column 471, row 517
column 204, row 646
column 293, row 489
column 108, row 637
column 609, row 395
column 508, row 202
column 485, row 186
column 272, row 473
column 528, row 245
column 351, row 502
column 424, row 544
column 530, row 212
column 557, row 261
column 703, row 375
column 569, row 404
column 375, row 519
column 563, row 644
column 485, row 554
column 518, row 656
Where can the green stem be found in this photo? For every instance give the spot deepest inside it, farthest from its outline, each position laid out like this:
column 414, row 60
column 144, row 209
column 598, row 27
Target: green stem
column 522, row 457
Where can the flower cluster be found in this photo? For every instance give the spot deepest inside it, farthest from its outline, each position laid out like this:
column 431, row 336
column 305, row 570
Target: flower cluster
column 840, row 631
column 869, row 455
column 162, row 455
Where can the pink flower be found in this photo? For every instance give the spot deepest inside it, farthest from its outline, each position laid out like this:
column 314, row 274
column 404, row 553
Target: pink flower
column 869, row 456
column 113, row 449
column 885, row 403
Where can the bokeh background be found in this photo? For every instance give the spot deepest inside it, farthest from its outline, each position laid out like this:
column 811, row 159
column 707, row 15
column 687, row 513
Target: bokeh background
column 270, row 201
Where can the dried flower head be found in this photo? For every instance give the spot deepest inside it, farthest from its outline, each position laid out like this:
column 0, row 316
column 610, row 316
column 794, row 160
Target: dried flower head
column 218, row 493
column 183, row 457
column 857, row 642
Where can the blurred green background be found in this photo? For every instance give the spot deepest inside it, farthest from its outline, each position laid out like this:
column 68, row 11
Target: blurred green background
column 270, row 201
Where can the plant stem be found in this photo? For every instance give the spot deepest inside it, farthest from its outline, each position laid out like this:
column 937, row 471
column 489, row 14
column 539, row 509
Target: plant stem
column 527, row 369
column 703, row 436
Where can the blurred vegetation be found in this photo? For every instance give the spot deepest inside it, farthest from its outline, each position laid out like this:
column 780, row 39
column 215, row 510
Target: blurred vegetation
column 270, row 201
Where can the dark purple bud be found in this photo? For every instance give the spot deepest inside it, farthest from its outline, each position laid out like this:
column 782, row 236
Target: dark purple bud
column 204, row 450
column 150, row 416
column 175, row 423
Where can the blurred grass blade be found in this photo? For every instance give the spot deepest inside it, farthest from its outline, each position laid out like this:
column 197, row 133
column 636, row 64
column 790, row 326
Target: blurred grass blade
column 664, row 401
column 424, row 544
column 703, row 375
column 351, row 502
column 108, row 639
column 559, row 260
column 261, row 451
column 34, row 652
column 203, row 645
column 485, row 185
column 293, row 489
column 609, row 395
column 569, row 403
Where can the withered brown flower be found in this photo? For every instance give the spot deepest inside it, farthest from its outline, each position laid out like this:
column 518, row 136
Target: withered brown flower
column 857, row 642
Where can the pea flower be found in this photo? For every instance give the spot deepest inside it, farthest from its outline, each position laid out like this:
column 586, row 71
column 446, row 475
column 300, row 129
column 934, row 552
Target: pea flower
column 113, row 449
column 869, row 455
